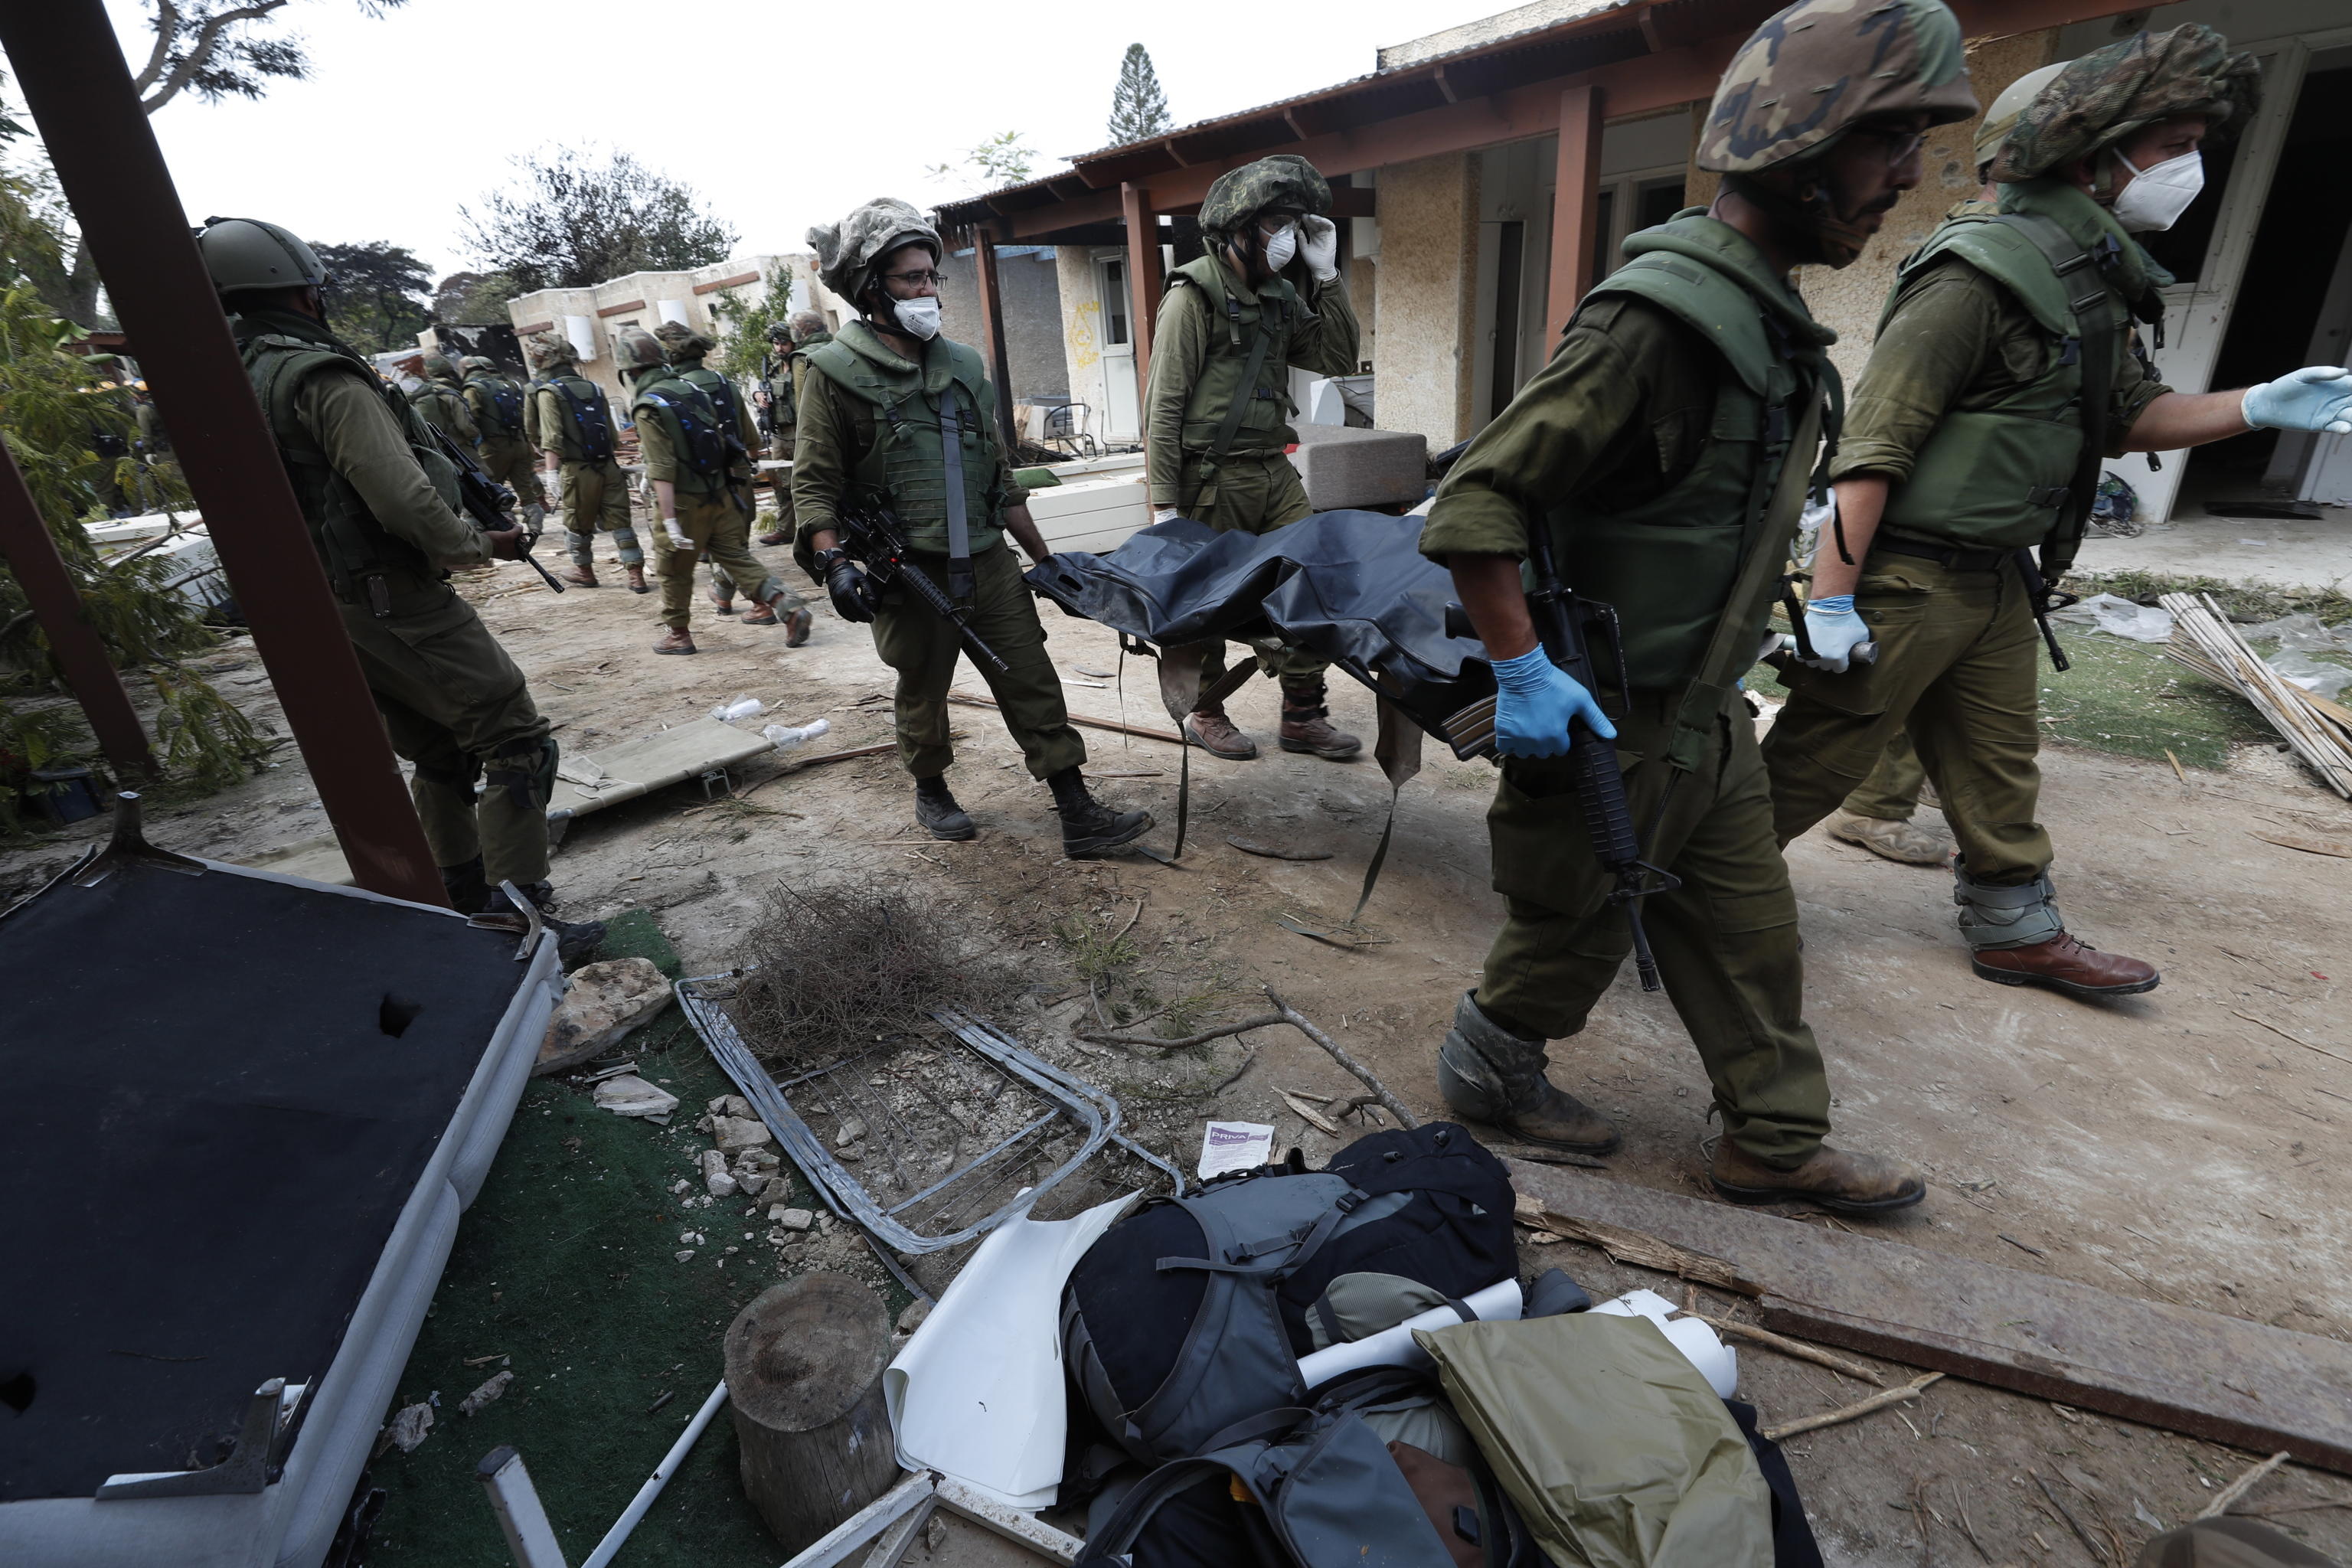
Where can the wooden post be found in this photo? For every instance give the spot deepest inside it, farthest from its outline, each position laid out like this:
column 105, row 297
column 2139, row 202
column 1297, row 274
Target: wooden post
column 74, row 643
column 1143, row 279
column 804, row 1383
column 991, row 330
column 1576, row 206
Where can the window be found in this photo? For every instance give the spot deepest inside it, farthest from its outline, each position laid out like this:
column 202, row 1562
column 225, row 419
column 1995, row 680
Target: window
column 1114, row 276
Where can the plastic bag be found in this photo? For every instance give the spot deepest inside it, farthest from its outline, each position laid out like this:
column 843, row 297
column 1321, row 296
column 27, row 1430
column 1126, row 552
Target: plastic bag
column 2119, row 617
column 784, row 737
column 2314, row 676
column 2301, row 633
column 739, row 707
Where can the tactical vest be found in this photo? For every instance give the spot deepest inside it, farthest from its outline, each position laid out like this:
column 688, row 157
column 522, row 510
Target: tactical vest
column 1239, row 320
column 586, row 432
column 905, row 468
column 1669, row 566
column 1996, row 477
column 365, row 562
column 433, row 400
column 723, row 393
column 696, row 437
column 504, row 416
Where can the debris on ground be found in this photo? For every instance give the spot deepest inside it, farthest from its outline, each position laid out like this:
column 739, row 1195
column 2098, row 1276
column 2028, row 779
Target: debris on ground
column 485, row 1395
column 629, row 1095
column 605, row 1001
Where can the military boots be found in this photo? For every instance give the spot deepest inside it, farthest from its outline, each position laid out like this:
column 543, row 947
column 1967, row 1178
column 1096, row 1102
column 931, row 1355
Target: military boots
column 576, row 941
column 1089, row 826
column 1489, row 1074
column 937, row 813
column 2018, row 938
column 1306, row 724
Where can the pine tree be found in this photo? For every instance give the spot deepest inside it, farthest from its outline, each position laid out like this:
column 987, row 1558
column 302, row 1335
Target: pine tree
column 1138, row 107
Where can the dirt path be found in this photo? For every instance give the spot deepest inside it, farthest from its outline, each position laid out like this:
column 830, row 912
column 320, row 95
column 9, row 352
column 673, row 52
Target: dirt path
column 2186, row 1144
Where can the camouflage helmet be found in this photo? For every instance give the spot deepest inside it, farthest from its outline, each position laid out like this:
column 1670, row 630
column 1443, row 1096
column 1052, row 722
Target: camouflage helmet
column 438, row 368
column 1284, row 180
column 682, row 341
column 2098, row 101
column 2000, row 118
column 481, row 362
column 779, row 333
column 633, row 348
column 806, row 324
column 847, row 251
column 1816, row 67
column 548, row 350
column 247, row 253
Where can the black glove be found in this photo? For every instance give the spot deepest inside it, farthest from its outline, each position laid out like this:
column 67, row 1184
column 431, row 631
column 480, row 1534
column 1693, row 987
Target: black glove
column 852, row 597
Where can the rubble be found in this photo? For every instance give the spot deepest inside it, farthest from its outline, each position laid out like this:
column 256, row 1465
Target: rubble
column 605, row 1001
column 739, row 1132
column 793, row 1219
column 715, row 1178
column 630, row 1095
column 409, row 1429
column 485, row 1395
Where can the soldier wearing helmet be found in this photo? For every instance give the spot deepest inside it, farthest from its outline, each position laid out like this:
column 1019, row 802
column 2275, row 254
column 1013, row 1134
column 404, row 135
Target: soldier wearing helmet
column 496, row 404
column 439, row 398
column 893, row 417
column 777, row 415
column 568, row 418
column 380, row 498
column 1265, row 300
column 2007, row 365
column 1668, row 448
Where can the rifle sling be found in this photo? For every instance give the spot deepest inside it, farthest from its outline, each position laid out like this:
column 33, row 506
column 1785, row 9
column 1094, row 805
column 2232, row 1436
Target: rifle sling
column 2095, row 336
column 960, row 579
column 1230, row 426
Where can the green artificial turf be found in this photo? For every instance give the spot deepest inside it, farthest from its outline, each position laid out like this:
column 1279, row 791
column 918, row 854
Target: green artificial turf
column 564, row 1266
column 2128, row 697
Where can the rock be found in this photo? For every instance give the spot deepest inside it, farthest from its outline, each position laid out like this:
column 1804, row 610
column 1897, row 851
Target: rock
column 793, row 1219
column 681, row 1185
column 408, row 1428
column 605, row 1002
column 734, row 1105
column 686, row 1257
column 912, row 1317
column 739, row 1132
column 850, row 1155
column 485, row 1395
column 851, row 1132
column 629, row 1095
column 715, row 1180
column 756, row 1160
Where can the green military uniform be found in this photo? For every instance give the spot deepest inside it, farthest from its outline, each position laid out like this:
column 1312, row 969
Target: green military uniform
column 687, row 351
column 777, row 385
column 498, row 408
column 454, row 703
column 568, row 416
column 159, row 469
column 854, row 385
column 440, row 400
column 1669, row 409
column 680, row 438
column 1891, row 792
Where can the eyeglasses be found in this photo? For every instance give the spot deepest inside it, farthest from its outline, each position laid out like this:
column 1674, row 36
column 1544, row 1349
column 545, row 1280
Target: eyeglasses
column 1899, row 146
column 914, row 279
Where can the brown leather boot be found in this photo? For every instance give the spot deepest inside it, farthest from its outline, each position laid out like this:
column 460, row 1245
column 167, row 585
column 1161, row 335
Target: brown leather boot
column 759, row 615
column 1892, row 839
column 1834, row 1179
column 1487, row 1074
column 677, row 640
column 797, row 627
column 725, row 602
column 775, row 536
column 637, row 583
column 1215, row 733
column 2068, row 966
column 581, row 576
column 1306, row 724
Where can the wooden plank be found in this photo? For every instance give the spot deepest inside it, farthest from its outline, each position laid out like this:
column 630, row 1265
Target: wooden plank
column 1575, row 206
column 622, row 308
column 2212, row 1377
column 737, row 281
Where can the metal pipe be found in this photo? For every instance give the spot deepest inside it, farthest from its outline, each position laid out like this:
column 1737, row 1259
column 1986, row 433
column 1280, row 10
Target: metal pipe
column 71, row 71
column 33, row 556
column 610, row 1547
column 521, row 1514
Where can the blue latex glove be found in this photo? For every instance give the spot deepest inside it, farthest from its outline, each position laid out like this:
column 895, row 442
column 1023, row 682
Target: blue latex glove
column 1534, row 702
column 2317, row 397
column 1835, row 631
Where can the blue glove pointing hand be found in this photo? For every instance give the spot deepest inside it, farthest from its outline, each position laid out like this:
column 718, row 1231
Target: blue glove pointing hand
column 1835, row 631
column 1534, row 702
column 2317, row 397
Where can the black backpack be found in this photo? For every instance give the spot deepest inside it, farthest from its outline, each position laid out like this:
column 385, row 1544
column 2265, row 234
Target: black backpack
column 1187, row 1318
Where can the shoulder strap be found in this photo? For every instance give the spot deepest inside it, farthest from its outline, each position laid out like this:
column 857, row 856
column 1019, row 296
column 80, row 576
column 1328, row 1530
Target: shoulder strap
column 1718, row 309
column 2095, row 333
column 842, row 366
column 1231, row 424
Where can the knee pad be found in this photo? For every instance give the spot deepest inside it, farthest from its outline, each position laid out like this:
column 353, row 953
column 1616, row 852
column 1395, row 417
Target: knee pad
column 2006, row 916
column 527, row 775
column 459, row 780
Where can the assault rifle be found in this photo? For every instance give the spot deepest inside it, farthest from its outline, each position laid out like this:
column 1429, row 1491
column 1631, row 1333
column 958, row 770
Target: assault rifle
column 1561, row 621
column 488, row 503
column 877, row 540
column 2042, row 598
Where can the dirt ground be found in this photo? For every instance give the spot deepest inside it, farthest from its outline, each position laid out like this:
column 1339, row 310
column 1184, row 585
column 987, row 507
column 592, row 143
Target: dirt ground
column 2182, row 1145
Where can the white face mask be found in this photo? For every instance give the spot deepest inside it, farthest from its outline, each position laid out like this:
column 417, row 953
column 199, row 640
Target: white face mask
column 1280, row 246
column 920, row 317
column 2160, row 192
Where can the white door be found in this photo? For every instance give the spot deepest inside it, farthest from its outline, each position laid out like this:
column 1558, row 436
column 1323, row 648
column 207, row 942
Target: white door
column 1122, row 400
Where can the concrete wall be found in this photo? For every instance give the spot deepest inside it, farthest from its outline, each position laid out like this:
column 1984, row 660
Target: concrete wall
column 1427, row 298
column 1080, row 311
column 531, row 311
column 1028, row 278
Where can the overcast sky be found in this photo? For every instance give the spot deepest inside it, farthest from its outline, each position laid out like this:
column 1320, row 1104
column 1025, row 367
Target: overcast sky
column 780, row 114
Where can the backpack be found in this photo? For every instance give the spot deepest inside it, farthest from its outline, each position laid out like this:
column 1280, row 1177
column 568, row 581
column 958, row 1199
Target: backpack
column 1188, row 1316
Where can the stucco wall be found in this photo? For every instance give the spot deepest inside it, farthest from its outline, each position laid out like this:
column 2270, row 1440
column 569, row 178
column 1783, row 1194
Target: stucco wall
column 1426, row 304
column 1033, row 317
column 1081, row 328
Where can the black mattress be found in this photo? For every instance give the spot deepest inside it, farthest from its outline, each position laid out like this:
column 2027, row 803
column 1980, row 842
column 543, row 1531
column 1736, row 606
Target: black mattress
column 219, row 1093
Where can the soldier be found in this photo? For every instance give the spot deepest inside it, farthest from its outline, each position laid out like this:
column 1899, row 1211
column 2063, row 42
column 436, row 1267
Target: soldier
column 894, row 415
column 1667, row 448
column 691, row 467
column 159, row 471
column 385, row 528
column 686, row 348
column 1265, row 300
column 497, row 405
column 568, row 418
column 806, row 332
column 440, row 399
column 777, row 412
column 2005, row 367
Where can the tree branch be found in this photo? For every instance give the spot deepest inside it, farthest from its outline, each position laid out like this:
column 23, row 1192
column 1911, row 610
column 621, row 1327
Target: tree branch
column 167, row 28
column 208, row 40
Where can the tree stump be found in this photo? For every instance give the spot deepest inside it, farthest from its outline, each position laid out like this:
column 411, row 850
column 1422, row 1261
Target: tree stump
column 804, row 1388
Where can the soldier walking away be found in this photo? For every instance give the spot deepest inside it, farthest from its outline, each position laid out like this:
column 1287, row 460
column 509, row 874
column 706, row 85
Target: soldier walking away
column 692, row 460
column 440, row 400
column 1878, row 815
column 380, row 500
column 777, row 415
column 1668, row 448
column 686, row 348
column 1265, row 300
column 496, row 404
column 567, row 417
column 805, row 332
column 2006, row 366
column 894, row 417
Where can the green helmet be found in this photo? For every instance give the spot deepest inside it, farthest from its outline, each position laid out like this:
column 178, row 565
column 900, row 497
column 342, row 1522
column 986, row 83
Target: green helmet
column 633, row 348
column 682, row 341
column 438, row 368
column 1285, row 180
column 806, row 324
column 2000, row 118
column 1818, row 67
column 2095, row 101
column 847, row 251
column 247, row 253
column 549, row 350
column 480, row 364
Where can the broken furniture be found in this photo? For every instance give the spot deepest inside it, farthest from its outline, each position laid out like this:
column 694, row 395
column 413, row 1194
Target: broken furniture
column 246, row 1112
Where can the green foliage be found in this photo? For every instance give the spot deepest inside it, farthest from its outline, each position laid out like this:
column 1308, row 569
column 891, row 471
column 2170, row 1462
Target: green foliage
column 743, row 325
column 31, row 739
column 1004, row 159
column 376, row 299
column 474, row 299
column 1138, row 107
column 205, row 739
column 1095, row 953
column 569, row 222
